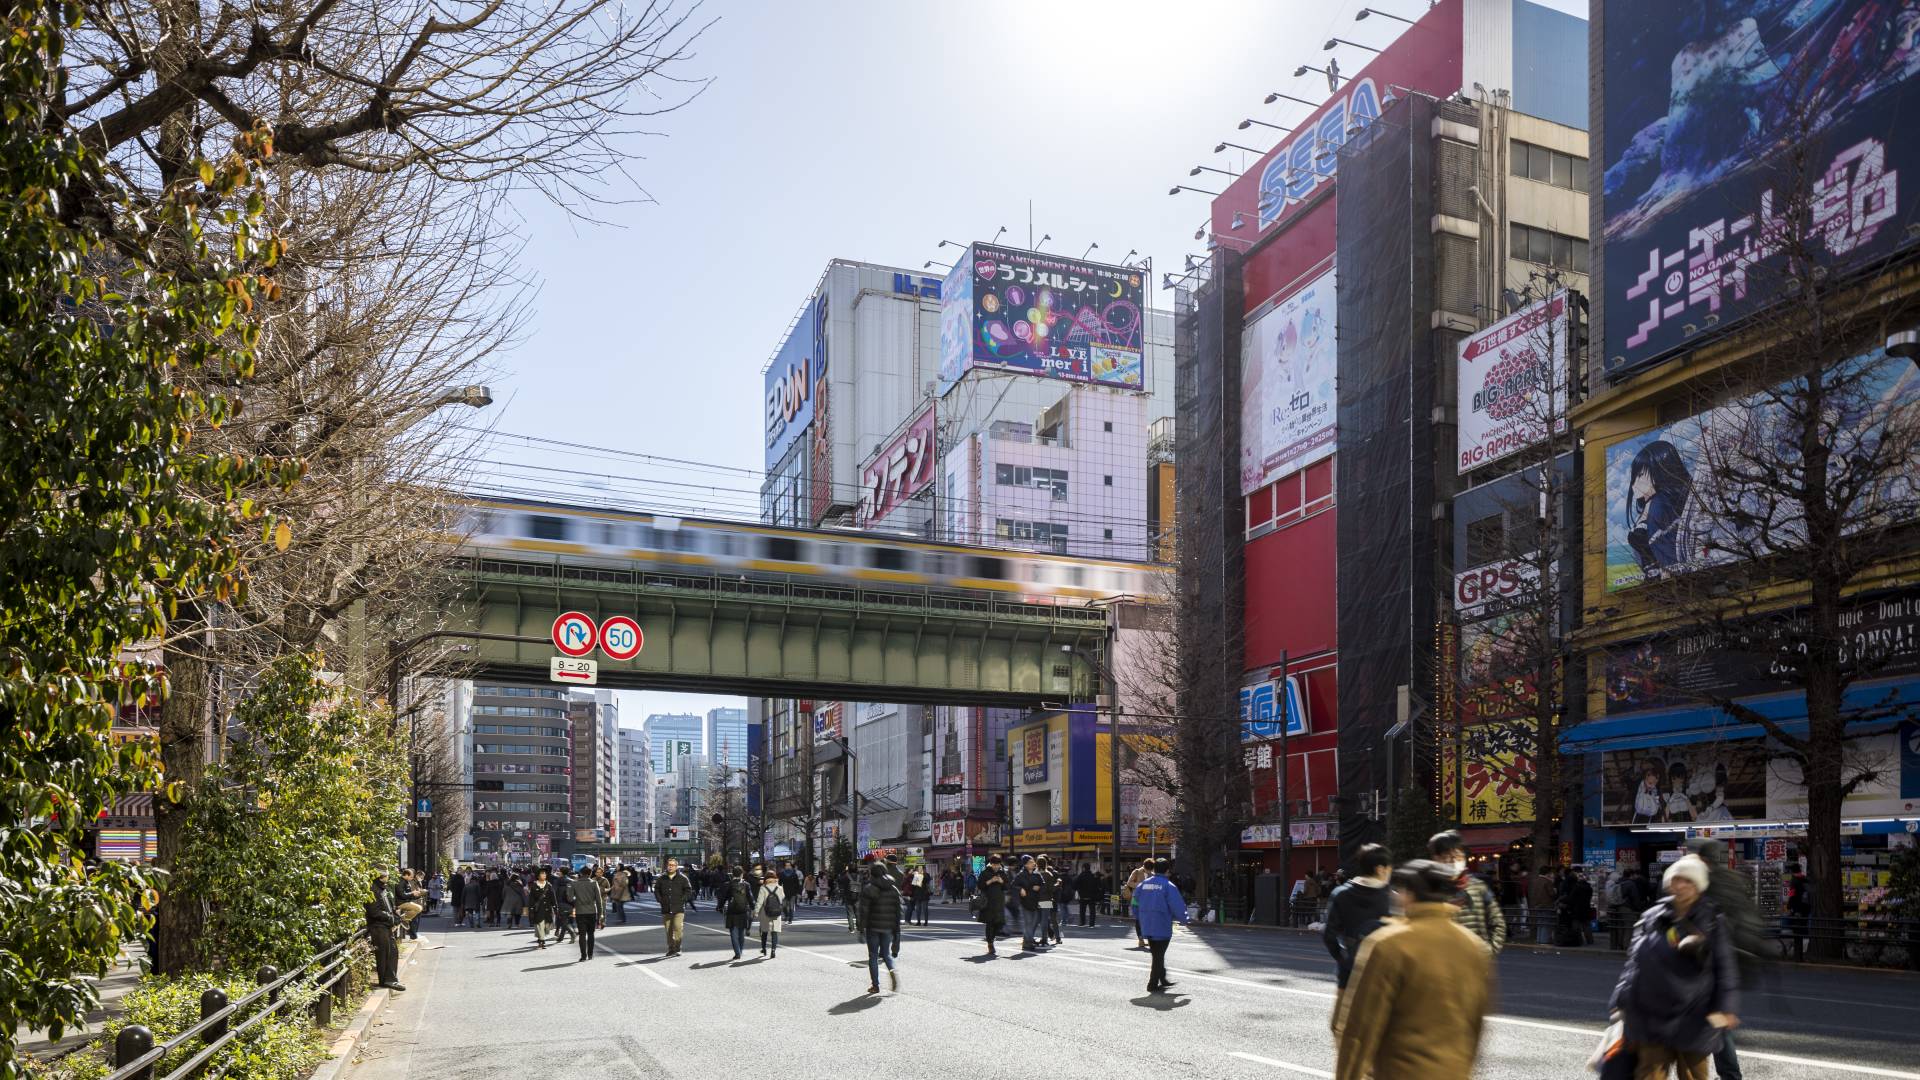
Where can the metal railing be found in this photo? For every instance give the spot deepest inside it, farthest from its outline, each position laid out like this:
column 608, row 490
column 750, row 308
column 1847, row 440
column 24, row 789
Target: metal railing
column 135, row 1055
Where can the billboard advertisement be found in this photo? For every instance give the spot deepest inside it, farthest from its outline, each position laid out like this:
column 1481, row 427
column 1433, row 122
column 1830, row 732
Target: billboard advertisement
column 1289, row 359
column 1426, row 59
column 793, row 378
column 902, row 469
column 1712, row 781
column 1487, row 775
column 1701, row 113
column 1512, row 383
column 1042, row 314
column 1674, row 500
column 1033, row 754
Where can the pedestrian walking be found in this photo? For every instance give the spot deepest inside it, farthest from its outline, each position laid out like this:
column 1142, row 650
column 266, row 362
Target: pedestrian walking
column 843, row 885
column 1742, row 918
column 737, row 907
column 1050, row 889
column 1086, row 889
column 880, row 917
column 789, row 879
column 619, row 892
column 1679, row 990
column 1420, row 988
column 513, row 900
column 474, row 901
column 457, row 892
column 1356, row 910
column 436, row 891
column 1157, row 905
column 769, row 904
column 990, row 903
column 898, row 876
column 920, row 887
column 1027, row 885
column 1473, row 901
column 1140, row 874
column 564, row 925
column 541, row 906
column 380, row 923
column 496, row 882
column 674, row 893
column 588, row 898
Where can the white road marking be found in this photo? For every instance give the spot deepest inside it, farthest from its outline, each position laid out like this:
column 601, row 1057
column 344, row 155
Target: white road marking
column 1287, row 1065
column 644, row 969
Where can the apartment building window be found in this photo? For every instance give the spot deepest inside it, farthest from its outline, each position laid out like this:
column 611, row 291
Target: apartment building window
column 518, row 729
column 1549, row 248
column 517, row 691
column 1549, row 166
column 1106, row 425
column 1054, row 480
column 1036, row 532
column 499, row 748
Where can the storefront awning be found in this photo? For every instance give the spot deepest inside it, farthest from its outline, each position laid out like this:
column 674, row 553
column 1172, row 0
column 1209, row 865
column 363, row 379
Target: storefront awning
column 1683, row 724
column 1492, row 839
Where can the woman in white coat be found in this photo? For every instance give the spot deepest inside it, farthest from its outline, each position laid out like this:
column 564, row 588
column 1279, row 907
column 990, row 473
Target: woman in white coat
column 768, row 905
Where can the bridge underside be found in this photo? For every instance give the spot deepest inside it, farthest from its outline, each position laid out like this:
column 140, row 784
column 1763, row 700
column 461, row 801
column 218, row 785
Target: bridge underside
column 787, row 637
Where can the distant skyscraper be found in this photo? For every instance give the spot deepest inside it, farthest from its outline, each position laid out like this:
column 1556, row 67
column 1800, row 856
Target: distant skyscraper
column 674, row 735
column 636, row 780
column 727, row 738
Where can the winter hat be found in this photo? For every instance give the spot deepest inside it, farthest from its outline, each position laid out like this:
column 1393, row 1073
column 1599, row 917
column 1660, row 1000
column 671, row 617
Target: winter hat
column 1689, row 867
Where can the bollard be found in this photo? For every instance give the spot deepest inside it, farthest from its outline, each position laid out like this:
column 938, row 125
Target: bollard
column 212, row 1001
column 323, row 1010
column 133, row 1041
column 265, row 976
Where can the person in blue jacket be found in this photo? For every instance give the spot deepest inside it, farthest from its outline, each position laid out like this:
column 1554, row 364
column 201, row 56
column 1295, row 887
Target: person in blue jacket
column 1160, row 905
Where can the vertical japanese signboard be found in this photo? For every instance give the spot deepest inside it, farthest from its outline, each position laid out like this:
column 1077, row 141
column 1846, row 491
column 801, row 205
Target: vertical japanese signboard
column 1702, row 193
column 1512, row 383
column 902, row 469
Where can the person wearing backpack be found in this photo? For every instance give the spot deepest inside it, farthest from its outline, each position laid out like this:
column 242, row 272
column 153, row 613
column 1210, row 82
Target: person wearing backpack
column 1474, row 903
column 737, row 903
column 880, row 918
column 769, row 904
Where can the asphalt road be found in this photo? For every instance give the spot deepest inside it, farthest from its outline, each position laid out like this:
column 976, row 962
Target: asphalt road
column 486, row 1003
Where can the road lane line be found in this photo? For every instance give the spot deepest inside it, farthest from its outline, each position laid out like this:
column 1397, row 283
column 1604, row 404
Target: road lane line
column 644, row 969
column 1287, row 1065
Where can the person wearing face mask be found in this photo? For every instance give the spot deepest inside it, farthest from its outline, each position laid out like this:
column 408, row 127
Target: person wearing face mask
column 1680, row 987
column 1357, row 909
column 1420, row 989
column 1477, row 910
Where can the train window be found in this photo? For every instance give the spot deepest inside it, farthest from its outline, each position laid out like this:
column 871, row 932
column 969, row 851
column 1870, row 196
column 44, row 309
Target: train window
column 936, row 564
column 780, row 548
column 546, row 527
column 982, row 567
column 478, row 522
column 835, row 554
column 684, row 540
column 606, row 531
column 1076, row 575
column 886, row 558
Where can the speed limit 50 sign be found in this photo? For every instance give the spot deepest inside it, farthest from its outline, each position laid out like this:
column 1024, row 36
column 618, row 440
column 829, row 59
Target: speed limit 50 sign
column 620, row 638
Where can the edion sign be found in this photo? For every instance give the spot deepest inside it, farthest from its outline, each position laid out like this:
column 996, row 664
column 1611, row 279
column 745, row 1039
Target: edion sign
column 902, row 470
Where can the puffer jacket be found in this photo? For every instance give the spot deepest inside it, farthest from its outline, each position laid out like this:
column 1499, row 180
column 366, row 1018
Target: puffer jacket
column 880, row 904
column 1480, row 914
column 1417, row 1001
column 1665, row 992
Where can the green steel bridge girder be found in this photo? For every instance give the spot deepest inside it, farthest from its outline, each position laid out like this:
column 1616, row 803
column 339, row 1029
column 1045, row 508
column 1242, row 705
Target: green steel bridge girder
column 785, row 637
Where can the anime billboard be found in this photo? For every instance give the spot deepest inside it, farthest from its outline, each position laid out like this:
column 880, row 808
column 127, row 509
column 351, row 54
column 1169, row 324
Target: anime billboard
column 1703, row 105
column 1675, row 502
column 1289, row 359
column 1698, row 782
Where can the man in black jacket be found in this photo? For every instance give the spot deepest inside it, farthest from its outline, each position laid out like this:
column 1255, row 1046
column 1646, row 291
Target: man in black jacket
column 1086, row 889
column 1027, row 884
column 1356, row 910
column 880, row 915
column 380, row 919
column 673, row 890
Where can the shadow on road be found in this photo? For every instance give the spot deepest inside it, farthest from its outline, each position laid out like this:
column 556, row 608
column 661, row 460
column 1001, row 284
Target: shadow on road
column 715, row 964
column 1163, row 1002
column 859, row 1004
column 552, row 967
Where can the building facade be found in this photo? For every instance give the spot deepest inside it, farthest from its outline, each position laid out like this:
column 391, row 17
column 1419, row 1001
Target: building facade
column 522, row 772
column 635, row 784
column 594, row 717
column 671, row 736
column 727, row 738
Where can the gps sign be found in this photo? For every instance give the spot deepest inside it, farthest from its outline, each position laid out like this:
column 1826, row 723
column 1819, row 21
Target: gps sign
column 576, row 635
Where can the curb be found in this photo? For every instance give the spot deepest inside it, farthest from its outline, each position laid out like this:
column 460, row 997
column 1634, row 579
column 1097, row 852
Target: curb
column 342, row 1052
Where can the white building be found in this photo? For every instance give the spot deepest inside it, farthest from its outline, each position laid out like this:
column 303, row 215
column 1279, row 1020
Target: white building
column 635, row 784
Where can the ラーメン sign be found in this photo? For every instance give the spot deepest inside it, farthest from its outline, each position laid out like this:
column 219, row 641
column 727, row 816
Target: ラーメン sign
column 1512, row 383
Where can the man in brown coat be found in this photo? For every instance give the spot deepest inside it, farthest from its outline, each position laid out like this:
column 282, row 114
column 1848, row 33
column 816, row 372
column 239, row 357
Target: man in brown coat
column 1420, row 989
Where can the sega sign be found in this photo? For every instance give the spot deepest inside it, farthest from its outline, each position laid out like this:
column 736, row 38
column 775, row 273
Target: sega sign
column 793, row 381
column 1260, row 709
column 1311, row 157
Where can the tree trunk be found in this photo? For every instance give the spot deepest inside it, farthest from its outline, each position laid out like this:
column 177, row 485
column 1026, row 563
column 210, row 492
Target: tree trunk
column 1825, row 741
column 183, row 757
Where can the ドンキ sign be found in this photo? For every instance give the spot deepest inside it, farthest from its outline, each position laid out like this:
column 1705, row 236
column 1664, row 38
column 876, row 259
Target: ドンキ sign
column 574, row 633
column 620, row 638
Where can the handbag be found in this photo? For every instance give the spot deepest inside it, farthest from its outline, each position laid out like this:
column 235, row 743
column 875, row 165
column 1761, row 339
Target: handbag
column 1614, row 1058
column 978, row 904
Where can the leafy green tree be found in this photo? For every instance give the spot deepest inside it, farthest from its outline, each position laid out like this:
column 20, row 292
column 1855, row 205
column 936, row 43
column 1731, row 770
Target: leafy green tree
column 282, row 838
column 104, row 521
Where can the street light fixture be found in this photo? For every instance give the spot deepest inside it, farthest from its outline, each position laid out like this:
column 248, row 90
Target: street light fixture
column 1249, row 122
column 1331, row 42
column 1221, row 147
column 1278, row 96
column 1178, row 188
column 1361, row 15
column 474, row 396
column 1198, row 169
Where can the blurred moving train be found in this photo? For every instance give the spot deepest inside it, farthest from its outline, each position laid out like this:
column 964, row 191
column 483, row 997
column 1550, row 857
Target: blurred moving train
column 508, row 528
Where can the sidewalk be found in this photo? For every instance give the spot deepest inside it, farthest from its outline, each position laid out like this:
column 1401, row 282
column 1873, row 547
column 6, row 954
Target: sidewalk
column 123, row 977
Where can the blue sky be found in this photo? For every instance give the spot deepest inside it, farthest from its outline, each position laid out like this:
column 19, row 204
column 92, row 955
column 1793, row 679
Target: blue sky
column 873, row 131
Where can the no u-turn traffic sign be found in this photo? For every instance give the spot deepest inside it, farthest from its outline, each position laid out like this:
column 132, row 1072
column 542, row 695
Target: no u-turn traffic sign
column 574, row 633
